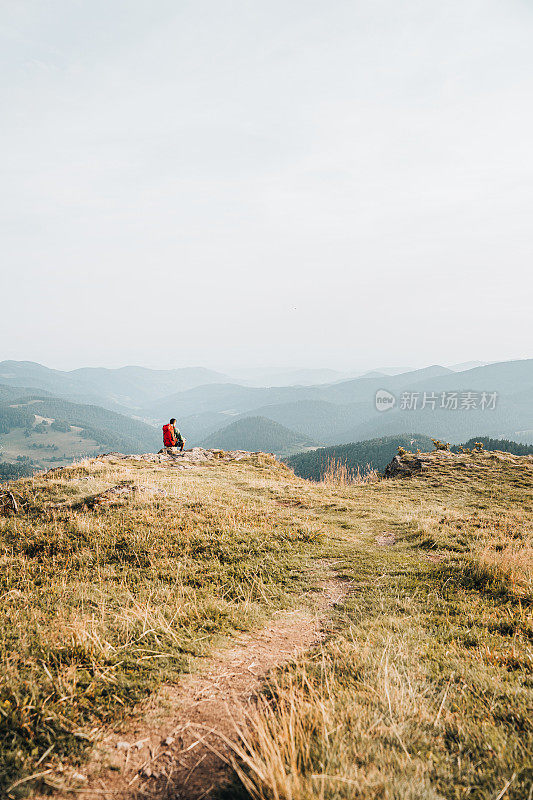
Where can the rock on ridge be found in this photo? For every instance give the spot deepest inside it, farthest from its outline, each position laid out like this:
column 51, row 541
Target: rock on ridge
column 409, row 464
column 188, row 458
column 415, row 463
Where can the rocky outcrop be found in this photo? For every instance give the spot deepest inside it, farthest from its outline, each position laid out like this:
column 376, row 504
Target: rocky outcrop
column 413, row 464
column 407, row 464
column 188, row 458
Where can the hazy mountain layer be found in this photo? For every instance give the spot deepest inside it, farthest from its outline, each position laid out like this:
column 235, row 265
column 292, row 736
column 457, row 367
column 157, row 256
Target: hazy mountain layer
column 123, row 389
column 347, row 412
column 334, row 413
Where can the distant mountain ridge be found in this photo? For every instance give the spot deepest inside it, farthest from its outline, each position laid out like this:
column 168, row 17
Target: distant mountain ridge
column 259, row 377
column 331, row 413
column 346, row 411
column 234, row 398
column 125, row 388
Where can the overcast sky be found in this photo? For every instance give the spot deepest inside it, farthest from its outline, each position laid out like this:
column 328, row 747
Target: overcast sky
column 343, row 183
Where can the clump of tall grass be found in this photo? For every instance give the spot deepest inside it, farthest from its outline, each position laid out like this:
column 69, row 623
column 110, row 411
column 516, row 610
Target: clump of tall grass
column 345, row 725
column 389, row 710
column 510, row 566
column 338, row 473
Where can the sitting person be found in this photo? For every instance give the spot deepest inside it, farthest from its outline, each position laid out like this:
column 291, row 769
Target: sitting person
column 172, row 438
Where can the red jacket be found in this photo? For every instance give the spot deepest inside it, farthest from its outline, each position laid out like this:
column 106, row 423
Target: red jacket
column 169, row 440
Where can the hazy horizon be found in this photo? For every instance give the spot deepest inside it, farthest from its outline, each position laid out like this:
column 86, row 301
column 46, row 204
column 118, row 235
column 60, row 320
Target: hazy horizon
column 247, row 371
column 225, row 184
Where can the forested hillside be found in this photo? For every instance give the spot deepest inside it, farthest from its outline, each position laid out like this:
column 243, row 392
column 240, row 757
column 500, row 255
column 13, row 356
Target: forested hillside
column 372, row 454
column 503, row 445
column 377, row 453
column 40, row 431
column 259, row 434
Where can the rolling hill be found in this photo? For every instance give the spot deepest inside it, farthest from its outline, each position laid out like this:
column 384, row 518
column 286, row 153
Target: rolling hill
column 333, row 413
column 258, row 434
column 304, row 417
column 135, row 386
column 46, row 430
column 234, row 398
column 225, row 398
column 261, row 377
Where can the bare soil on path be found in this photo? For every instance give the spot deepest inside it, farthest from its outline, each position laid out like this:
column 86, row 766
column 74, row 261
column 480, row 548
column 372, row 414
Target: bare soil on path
column 175, row 746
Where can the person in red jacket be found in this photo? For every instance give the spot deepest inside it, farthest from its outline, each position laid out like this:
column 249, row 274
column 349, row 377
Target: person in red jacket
column 172, row 438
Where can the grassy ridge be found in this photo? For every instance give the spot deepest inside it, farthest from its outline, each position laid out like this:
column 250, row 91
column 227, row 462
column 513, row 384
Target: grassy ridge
column 375, row 454
column 99, row 607
column 423, row 689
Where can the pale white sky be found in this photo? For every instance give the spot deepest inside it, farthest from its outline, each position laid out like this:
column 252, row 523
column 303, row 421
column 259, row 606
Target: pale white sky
column 344, row 183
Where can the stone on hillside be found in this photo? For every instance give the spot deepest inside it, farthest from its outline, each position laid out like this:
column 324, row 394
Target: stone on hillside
column 415, row 463
column 186, row 459
column 397, row 467
column 410, row 464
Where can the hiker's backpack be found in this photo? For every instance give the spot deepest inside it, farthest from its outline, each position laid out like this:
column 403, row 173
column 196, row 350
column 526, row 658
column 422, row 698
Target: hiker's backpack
column 168, row 436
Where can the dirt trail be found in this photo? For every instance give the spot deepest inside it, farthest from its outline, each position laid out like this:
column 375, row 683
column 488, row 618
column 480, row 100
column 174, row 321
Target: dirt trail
column 169, row 752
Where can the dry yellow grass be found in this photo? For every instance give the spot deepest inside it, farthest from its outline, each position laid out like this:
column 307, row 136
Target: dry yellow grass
column 337, row 473
column 511, row 564
column 424, row 692
column 423, row 688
